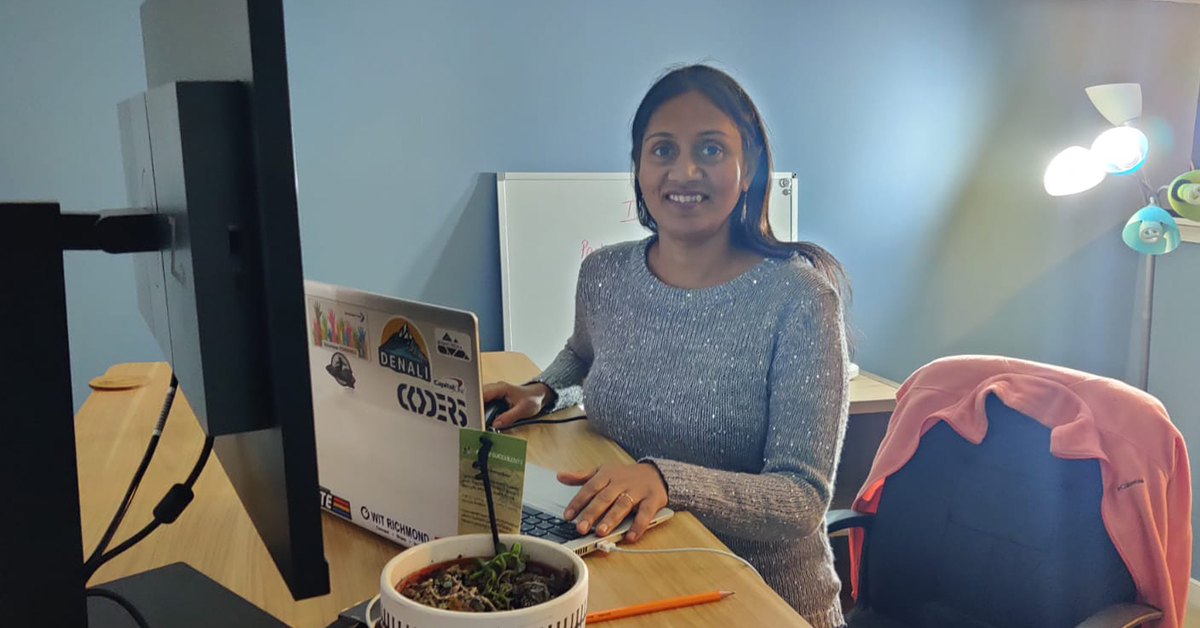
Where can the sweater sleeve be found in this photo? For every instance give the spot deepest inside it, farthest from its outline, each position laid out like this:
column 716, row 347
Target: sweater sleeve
column 566, row 373
column 808, row 403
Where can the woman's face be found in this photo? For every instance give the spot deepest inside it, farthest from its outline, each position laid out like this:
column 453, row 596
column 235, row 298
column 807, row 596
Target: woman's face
column 692, row 169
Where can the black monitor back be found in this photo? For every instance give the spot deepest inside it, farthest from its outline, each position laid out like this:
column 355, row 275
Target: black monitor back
column 208, row 147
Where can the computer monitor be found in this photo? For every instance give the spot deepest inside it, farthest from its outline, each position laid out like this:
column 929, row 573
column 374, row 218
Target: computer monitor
column 208, row 147
column 209, row 170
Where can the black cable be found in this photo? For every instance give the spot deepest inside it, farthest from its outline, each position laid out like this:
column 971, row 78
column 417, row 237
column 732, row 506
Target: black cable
column 124, row 545
column 138, row 618
column 200, row 462
column 536, row 421
column 166, row 512
column 168, row 401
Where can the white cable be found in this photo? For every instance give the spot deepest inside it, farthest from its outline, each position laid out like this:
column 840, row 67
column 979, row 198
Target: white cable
column 609, row 546
column 367, row 612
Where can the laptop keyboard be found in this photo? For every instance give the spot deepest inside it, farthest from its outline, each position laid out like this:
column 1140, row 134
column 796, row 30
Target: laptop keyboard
column 546, row 526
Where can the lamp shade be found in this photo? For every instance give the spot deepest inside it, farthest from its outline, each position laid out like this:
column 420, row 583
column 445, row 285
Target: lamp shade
column 1121, row 150
column 1184, row 193
column 1117, row 102
column 1072, row 171
column 1151, row 230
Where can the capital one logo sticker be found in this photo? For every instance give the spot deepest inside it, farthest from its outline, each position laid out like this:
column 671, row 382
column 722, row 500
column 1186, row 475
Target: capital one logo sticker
column 450, row 384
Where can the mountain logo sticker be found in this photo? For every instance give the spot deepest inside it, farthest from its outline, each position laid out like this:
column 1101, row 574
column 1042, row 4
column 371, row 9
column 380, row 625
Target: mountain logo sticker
column 404, row 350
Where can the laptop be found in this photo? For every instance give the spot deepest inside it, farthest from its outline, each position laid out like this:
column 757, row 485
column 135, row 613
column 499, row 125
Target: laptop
column 546, row 499
column 388, row 370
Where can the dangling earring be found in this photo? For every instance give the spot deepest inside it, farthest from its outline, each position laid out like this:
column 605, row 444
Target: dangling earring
column 744, row 210
column 644, row 215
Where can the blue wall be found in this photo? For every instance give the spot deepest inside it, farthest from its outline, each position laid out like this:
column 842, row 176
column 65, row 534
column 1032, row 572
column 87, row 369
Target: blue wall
column 402, row 112
column 64, row 66
column 1175, row 356
column 920, row 155
column 547, row 86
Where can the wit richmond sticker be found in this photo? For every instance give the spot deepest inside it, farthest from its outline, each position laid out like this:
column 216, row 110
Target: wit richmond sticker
column 396, row 529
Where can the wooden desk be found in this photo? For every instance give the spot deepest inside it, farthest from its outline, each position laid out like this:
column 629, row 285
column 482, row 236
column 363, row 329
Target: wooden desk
column 216, row 537
column 872, row 399
column 871, row 394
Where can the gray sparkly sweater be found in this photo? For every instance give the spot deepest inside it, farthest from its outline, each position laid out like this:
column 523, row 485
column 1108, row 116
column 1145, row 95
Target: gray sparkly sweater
column 738, row 393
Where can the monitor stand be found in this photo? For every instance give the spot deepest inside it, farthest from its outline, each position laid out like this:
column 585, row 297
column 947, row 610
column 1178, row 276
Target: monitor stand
column 41, row 575
column 176, row 596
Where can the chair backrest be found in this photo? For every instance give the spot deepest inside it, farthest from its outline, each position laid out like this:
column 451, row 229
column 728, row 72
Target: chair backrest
column 996, row 535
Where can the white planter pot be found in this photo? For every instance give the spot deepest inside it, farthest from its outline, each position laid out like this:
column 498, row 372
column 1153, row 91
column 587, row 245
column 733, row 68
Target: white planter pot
column 565, row 611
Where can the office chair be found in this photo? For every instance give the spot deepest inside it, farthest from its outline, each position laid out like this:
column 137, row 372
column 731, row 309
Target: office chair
column 997, row 535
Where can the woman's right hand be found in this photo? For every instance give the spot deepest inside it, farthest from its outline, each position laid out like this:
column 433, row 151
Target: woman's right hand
column 523, row 401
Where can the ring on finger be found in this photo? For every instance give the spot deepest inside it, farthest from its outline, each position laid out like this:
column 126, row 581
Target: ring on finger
column 626, row 496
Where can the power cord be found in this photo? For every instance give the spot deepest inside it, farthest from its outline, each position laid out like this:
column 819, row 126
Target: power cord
column 166, row 512
column 138, row 618
column 511, row 426
column 609, row 546
column 168, row 401
column 367, row 613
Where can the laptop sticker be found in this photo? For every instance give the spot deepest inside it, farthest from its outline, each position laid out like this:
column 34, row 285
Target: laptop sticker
column 435, row 405
column 335, row 504
column 339, row 368
column 452, row 385
column 403, row 349
column 453, row 344
column 338, row 327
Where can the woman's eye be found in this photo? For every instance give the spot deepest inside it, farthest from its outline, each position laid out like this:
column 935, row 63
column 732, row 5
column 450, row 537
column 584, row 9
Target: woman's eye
column 711, row 151
column 662, row 151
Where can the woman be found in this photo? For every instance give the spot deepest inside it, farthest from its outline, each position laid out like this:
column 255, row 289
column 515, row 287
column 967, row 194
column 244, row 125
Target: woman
column 712, row 352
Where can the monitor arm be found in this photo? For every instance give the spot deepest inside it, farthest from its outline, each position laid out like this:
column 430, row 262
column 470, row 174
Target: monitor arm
column 113, row 231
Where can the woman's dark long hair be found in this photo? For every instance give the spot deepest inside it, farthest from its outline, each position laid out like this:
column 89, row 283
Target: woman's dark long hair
column 749, row 227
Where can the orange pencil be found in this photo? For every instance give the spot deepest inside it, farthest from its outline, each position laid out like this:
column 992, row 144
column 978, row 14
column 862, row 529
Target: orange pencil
column 660, row 605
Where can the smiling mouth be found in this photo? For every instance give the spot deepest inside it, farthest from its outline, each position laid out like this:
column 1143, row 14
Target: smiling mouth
column 685, row 200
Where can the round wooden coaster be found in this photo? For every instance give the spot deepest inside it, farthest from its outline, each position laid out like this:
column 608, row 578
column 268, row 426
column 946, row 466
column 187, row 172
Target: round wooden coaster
column 117, row 382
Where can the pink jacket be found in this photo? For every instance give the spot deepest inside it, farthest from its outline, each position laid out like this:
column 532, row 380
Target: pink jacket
column 1147, row 498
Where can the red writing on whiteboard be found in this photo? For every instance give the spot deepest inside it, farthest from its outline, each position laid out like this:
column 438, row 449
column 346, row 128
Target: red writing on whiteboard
column 585, row 249
column 630, row 216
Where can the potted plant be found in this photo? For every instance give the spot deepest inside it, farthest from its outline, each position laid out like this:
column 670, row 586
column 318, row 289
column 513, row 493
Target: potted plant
column 462, row 582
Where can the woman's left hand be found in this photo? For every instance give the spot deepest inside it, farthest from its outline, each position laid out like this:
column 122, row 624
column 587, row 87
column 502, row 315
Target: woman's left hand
column 610, row 492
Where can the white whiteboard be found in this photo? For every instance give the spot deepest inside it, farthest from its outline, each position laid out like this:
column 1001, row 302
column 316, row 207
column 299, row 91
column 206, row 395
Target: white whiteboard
column 550, row 221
